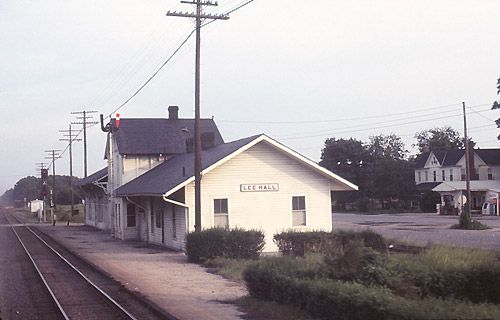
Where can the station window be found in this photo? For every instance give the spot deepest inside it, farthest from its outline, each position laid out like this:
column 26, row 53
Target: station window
column 221, row 213
column 158, row 216
column 298, row 211
column 131, row 221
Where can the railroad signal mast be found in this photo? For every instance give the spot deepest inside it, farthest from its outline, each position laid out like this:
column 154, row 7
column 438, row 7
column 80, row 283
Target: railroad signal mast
column 198, row 16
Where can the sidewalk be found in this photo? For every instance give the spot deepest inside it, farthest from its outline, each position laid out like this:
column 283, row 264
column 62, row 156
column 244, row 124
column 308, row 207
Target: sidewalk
column 184, row 290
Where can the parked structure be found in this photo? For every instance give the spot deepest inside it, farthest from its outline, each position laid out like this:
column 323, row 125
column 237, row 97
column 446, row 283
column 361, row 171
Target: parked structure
column 254, row 182
column 444, row 171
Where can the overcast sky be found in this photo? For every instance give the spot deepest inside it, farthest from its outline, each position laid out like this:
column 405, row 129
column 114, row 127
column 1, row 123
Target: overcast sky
column 299, row 71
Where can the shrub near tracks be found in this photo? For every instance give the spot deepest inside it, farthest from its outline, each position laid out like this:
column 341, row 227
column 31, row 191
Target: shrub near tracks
column 300, row 243
column 217, row 242
column 292, row 281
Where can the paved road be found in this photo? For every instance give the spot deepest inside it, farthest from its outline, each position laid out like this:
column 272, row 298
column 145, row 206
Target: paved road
column 423, row 228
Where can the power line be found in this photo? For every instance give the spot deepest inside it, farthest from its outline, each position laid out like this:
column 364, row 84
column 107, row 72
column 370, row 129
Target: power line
column 154, row 74
column 367, row 128
column 84, row 122
column 391, row 123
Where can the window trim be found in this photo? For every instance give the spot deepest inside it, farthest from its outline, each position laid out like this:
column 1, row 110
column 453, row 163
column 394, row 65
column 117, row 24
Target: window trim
column 129, row 216
column 304, row 210
column 220, row 214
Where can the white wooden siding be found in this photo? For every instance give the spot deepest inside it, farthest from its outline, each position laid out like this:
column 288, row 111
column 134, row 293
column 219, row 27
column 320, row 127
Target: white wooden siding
column 270, row 212
column 155, row 236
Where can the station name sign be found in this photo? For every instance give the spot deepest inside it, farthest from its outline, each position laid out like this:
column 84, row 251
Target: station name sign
column 259, row 187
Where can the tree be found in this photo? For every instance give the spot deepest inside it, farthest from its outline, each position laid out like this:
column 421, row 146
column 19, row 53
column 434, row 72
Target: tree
column 30, row 188
column 380, row 168
column 345, row 157
column 391, row 175
column 387, row 147
column 445, row 138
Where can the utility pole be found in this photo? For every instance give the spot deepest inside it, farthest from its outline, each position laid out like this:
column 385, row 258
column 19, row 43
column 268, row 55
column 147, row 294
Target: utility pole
column 70, row 138
column 54, row 155
column 84, row 122
column 467, row 168
column 199, row 16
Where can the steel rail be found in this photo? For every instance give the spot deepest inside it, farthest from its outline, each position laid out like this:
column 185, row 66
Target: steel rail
column 114, row 302
column 39, row 272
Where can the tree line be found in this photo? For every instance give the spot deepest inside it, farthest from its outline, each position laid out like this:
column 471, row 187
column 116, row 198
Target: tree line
column 30, row 188
column 382, row 167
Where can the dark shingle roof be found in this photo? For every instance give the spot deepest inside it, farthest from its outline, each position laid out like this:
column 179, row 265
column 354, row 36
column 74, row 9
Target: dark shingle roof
column 160, row 136
column 452, row 157
column 177, row 170
column 489, row 156
column 445, row 157
column 96, row 176
column 421, row 160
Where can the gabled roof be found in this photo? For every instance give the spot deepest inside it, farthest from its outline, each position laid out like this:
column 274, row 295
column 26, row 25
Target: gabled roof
column 94, row 177
column 141, row 136
column 178, row 171
column 421, row 160
column 444, row 157
column 489, row 156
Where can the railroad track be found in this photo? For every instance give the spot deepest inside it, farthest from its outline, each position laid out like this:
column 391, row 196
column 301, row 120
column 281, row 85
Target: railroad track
column 74, row 293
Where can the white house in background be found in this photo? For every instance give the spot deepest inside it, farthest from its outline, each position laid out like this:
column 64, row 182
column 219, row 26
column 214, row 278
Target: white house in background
column 444, row 171
column 251, row 183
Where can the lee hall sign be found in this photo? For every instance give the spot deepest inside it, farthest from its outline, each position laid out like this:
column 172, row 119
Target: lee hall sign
column 259, row 187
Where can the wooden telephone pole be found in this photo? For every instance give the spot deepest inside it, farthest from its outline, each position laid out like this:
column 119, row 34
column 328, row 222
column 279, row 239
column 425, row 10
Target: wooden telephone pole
column 70, row 138
column 467, row 167
column 199, row 16
column 84, row 122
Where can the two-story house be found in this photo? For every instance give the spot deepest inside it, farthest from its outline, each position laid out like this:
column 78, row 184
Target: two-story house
column 251, row 183
column 444, row 171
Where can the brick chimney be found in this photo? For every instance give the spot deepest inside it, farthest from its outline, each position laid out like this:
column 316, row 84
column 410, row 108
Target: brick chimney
column 173, row 112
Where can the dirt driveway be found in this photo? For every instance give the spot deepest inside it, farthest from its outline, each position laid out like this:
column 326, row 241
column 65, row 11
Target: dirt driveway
column 423, row 228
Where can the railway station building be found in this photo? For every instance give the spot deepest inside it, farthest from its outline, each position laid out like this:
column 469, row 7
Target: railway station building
column 147, row 190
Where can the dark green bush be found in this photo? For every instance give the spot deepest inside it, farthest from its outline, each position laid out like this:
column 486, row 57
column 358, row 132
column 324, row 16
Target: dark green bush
column 449, row 273
column 272, row 279
column 358, row 263
column 369, row 239
column 299, row 243
column 217, row 242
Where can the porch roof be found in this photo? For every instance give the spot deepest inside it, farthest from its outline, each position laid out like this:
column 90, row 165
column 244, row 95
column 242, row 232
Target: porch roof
column 475, row 185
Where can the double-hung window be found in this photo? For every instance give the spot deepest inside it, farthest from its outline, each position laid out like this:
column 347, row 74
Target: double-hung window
column 298, row 211
column 221, row 213
column 131, row 221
